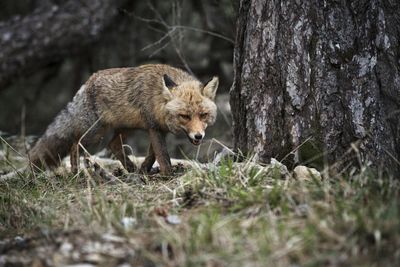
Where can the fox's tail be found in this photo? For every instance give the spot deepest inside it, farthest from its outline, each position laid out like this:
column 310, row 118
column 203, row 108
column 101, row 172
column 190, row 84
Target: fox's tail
column 60, row 135
column 49, row 151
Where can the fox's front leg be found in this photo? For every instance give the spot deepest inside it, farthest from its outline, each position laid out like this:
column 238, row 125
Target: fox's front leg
column 148, row 161
column 116, row 147
column 159, row 146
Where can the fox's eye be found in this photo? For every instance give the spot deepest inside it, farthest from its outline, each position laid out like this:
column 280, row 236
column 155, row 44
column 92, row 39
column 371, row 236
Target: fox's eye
column 203, row 115
column 184, row 116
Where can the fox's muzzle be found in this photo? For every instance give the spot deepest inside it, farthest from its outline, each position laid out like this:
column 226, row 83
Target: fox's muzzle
column 196, row 137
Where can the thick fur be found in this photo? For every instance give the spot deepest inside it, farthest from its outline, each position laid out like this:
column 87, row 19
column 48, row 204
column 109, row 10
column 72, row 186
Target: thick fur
column 157, row 98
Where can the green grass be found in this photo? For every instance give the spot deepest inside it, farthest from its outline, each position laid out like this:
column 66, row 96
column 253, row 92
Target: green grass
column 235, row 214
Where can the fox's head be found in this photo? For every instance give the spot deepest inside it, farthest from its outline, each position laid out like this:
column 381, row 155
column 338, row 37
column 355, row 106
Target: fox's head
column 190, row 107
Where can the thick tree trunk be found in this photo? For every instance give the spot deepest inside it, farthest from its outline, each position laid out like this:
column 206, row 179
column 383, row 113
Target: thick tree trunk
column 325, row 72
column 50, row 33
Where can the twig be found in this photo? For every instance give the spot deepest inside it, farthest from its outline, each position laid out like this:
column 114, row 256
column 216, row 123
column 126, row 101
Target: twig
column 221, row 144
column 18, row 153
column 295, row 149
column 11, row 174
column 170, row 30
column 13, row 149
column 99, row 171
column 159, row 41
column 159, row 49
column 215, row 34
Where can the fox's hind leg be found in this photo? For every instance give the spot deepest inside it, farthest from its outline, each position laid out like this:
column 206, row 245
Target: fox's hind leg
column 148, row 161
column 116, row 147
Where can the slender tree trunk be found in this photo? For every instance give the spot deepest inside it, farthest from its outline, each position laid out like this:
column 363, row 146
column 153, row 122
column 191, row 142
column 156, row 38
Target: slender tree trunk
column 320, row 75
column 50, row 33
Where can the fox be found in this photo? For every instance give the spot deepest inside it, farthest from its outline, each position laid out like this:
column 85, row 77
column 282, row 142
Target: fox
column 157, row 98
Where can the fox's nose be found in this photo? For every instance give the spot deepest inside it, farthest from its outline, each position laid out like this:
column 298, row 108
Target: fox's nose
column 198, row 136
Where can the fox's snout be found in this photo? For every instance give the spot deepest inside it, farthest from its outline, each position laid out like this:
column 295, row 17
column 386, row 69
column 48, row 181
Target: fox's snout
column 196, row 137
column 195, row 130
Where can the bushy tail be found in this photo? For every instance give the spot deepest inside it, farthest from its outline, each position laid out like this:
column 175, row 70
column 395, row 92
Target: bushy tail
column 56, row 142
column 49, row 151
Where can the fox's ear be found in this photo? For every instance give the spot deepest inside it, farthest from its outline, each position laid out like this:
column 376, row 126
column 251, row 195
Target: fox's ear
column 210, row 89
column 168, row 84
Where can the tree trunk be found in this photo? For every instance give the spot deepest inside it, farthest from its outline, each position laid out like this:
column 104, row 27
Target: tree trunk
column 50, row 33
column 315, row 77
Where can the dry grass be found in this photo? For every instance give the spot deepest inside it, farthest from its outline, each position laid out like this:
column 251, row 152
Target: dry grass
column 233, row 214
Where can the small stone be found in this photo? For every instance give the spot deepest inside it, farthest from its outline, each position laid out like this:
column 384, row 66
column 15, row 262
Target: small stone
column 275, row 164
column 19, row 239
column 93, row 258
column 80, row 265
column 112, row 238
column 305, row 173
column 66, row 248
column 128, row 222
column 173, row 219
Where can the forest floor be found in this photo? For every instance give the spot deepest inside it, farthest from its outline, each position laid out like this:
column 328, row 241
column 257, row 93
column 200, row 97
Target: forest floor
column 230, row 214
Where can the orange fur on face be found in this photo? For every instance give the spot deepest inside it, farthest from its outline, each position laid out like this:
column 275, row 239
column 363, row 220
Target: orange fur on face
column 189, row 110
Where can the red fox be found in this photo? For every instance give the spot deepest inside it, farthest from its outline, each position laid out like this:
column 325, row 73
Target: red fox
column 157, row 98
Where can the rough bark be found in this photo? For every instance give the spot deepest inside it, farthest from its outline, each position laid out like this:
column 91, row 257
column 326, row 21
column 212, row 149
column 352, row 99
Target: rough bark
column 50, row 33
column 323, row 71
